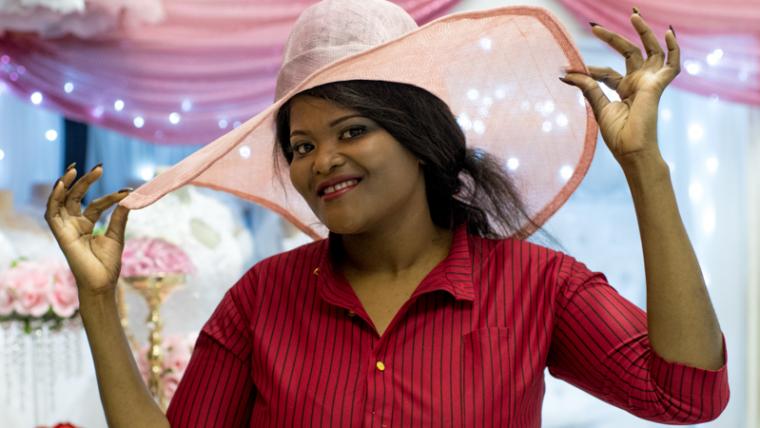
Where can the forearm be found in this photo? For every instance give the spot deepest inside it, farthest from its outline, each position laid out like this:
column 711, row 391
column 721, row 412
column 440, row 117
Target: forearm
column 681, row 320
column 125, row 398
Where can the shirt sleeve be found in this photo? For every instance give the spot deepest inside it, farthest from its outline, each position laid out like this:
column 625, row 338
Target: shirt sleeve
column 216, row 389
column 600, row 344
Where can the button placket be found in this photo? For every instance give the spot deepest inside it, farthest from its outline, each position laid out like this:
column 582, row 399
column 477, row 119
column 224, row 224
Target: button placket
column 377, row 368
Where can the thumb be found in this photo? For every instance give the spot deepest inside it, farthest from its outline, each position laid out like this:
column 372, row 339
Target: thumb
column 590, row 89
column 118, row 224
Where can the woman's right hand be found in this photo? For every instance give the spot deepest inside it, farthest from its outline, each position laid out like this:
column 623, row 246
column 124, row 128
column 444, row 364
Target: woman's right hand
column 95, row 261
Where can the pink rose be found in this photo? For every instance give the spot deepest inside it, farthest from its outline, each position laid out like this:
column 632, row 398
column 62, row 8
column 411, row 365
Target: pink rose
column 7, row 293
column 32, row 287
column 170, row 385
column 177, row 359
column 63, row 296
column 7, row 302
column 176, row 350
column 152, row 256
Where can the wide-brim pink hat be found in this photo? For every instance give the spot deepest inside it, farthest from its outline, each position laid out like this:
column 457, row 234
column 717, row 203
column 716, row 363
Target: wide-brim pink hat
column 496, row 69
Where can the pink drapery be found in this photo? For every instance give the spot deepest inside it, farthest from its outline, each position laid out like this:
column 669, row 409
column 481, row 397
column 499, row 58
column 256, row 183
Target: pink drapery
column 720, row 40
column 208, row 66
column 81, row 18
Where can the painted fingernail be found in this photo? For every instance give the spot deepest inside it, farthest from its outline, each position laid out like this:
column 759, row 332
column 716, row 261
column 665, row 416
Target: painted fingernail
column 593, row 24
column 71, row 165
column 672, row 29
column 125, row 190
column 564, row 80
column 96, row 167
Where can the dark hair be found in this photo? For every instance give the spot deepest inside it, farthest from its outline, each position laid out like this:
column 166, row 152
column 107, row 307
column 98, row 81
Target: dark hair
column 463, row 185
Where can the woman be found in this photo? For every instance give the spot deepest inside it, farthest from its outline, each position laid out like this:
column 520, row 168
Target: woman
column 416, row 310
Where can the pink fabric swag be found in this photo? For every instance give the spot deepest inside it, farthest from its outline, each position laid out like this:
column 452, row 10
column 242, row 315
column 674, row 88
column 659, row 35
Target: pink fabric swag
column 720, row 40
column 209, row 66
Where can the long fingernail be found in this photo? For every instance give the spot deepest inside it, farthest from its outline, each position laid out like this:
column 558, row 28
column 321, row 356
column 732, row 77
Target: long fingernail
column 71, row 165
column 569, row 70
column 673, row 30
column 56, row 183
column 593, row 24
column 564, row 80
column 125, row 190
column 96, row 167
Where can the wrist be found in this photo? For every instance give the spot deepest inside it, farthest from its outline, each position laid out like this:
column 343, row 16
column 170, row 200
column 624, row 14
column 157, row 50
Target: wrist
column 644, row 169
column 91, row 300
column 642, row 160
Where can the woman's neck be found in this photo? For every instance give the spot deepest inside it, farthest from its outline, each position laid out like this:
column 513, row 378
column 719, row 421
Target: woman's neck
column 395, row 249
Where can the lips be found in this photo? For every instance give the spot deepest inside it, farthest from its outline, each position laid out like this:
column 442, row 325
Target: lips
column 337, row 184
column 334, row 192
column 340, row 186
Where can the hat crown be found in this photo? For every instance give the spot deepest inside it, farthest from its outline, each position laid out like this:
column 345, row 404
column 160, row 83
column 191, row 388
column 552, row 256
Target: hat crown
column 334, row 29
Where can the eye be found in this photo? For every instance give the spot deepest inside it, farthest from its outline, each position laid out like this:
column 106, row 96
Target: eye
column 353, row 132
column 303, row 148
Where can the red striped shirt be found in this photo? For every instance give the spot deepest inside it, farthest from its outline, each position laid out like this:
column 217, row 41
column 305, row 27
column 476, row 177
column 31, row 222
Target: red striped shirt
column 290, row 345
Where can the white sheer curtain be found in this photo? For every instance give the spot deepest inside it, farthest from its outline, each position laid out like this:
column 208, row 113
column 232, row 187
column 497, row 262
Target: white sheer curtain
column 30, row 146
column 753, row 254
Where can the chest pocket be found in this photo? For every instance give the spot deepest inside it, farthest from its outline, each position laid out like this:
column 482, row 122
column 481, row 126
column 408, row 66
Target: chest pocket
column 486, row 376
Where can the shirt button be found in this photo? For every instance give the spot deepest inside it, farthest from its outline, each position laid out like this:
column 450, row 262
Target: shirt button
column 380, row 366
column 351, row 313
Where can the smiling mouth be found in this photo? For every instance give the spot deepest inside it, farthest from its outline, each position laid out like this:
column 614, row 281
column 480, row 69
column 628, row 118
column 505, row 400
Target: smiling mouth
column 338, row 189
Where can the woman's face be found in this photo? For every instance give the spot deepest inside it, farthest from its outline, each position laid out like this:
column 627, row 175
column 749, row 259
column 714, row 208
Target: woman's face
column 353, row 174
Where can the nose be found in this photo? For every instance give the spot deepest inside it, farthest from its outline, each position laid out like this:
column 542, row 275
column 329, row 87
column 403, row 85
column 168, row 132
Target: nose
column 327, row 158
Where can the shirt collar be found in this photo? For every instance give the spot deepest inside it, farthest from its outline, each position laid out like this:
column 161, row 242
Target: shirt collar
column 452, row 275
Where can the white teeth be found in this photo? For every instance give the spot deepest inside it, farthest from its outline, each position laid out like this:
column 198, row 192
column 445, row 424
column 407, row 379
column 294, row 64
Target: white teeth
column 339, row 186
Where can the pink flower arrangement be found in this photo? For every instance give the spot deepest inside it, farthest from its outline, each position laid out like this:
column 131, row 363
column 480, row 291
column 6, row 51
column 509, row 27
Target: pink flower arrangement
column 153, row 257
column 60, row 425
column 34, row 290
column 176, row 350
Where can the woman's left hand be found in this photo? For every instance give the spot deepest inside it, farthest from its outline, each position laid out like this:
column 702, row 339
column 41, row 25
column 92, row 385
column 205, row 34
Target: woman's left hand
column 629, row 126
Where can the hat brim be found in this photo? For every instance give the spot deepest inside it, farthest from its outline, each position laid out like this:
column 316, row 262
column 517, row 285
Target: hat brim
column 496, row 69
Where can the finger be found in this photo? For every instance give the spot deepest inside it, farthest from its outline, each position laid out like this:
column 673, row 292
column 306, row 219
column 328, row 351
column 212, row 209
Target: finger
column 606, row 75
column 632, row 54
column 57, row 195
column 674, row 55
column 74, row 196
column 590, row 89
column 69, row 175
column 53, row 210
column 655, row 55
column 118, row 224
column 98, row 206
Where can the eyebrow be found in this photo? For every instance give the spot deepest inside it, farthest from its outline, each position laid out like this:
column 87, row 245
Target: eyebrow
column 331, row 124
